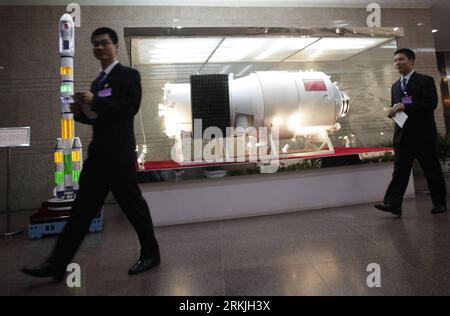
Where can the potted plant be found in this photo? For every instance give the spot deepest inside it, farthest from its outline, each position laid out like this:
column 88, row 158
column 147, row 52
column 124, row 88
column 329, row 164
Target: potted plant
column 444, row 152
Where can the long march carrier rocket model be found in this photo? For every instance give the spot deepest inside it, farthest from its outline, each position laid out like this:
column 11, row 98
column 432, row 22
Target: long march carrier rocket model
column 68, row 151
column 53, row 214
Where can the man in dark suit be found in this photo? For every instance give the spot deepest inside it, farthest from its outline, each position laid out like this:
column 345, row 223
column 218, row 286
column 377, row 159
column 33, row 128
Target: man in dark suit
column 114, row 99
column 415, row 95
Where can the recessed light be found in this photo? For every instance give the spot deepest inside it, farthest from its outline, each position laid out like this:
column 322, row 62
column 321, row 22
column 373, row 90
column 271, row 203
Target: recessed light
column 419, row 24
column 434, row 31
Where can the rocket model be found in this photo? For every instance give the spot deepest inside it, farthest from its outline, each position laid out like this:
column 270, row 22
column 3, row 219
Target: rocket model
column 54, row 213
column 68, row 151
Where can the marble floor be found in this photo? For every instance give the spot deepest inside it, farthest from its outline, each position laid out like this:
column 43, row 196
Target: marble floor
column 320, row 252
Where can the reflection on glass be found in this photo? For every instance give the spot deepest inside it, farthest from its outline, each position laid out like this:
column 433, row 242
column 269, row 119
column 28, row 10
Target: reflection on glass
column 360, row 66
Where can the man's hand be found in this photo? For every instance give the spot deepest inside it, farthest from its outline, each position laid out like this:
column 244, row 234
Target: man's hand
column 399, row 107
column 75, row 108
column 84, row 97
column 391, row 113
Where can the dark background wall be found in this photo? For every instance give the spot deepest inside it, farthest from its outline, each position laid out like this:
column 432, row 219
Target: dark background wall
column 29, row 67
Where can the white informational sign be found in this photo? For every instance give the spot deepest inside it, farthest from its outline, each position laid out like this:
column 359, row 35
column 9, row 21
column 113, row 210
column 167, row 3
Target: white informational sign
column 14, row 136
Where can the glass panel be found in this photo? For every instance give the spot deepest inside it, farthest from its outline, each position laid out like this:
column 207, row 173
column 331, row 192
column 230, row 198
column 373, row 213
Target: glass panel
column 362, row 67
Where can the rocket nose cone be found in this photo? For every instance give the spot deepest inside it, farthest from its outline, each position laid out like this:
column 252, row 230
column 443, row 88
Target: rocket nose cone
column 58, row 144
column 76, row 143
column 66, row 18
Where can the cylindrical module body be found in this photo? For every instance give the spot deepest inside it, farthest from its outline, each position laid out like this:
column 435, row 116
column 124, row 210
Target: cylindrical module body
column 295, row 102
column 298, row 103
column 177, row 108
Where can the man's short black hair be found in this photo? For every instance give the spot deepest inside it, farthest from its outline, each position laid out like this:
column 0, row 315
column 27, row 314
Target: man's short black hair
column 406, row 51
column 106, row 30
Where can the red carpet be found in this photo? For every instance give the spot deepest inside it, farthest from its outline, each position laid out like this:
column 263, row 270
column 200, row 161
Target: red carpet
column 338, row 151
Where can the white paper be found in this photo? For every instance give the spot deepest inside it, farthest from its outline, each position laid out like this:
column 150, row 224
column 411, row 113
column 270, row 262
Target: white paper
column 400, row 118
column 88, row 112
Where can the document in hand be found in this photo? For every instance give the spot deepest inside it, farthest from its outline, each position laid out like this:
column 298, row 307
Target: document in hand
column 400, row 118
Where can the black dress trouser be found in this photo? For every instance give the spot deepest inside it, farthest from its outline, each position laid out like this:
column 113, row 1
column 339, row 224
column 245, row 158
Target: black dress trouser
column 95, row 182
column 426, row 154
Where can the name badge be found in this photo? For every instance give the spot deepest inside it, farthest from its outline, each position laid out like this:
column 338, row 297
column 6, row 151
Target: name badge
column 105, row 93
column 407, row 100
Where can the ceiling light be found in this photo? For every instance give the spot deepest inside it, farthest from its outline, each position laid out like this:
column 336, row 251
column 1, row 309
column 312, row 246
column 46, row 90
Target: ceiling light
column 238, row 49
column 395, row 29
column 434, row 31
column 175, row 51
column 268, row 53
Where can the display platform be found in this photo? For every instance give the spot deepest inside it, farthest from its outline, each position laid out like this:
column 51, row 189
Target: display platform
column 201, row 200
column 338, row 151
column 48, row 222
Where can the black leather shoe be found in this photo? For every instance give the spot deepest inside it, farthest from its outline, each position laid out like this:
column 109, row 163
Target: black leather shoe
column 389, row 208
column 439, row 209
column 44, row 270
column 143, row 265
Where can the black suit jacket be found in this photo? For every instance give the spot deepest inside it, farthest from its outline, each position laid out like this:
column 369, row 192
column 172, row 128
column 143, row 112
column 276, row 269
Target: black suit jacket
column 113, row 140
column 420, row 126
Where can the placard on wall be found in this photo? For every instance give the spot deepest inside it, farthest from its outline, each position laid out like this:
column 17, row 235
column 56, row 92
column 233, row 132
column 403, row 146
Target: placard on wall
column 15, row 136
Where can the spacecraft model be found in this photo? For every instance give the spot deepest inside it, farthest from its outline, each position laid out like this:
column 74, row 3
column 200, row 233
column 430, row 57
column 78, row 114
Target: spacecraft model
column 68, row 155
column 302, row 105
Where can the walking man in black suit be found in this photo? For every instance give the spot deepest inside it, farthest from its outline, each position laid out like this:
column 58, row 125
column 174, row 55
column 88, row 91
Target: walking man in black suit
column 414, row 94
column 114, row 98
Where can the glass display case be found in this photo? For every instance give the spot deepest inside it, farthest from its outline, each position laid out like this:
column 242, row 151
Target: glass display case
column 321, row 89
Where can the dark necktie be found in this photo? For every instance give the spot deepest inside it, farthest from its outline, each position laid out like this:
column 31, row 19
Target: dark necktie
column 100, row 80
column 403, row 84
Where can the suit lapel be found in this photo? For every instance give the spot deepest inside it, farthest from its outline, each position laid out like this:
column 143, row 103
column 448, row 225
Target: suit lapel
column 411, row 82
column 113, row 73
column 397, row 91
column 109, row 79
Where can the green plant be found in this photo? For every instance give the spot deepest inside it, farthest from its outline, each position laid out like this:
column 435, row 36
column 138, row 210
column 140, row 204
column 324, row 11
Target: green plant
column 312, row 163
column 387, row 156
column 443, row 146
